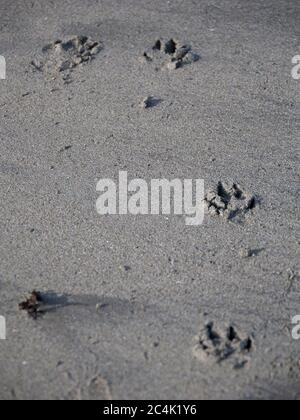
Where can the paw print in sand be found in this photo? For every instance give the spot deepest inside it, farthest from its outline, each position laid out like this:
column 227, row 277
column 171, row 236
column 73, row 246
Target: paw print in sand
column 171, row 55
column 224, row 345
column 64, row 56
column 231, row 203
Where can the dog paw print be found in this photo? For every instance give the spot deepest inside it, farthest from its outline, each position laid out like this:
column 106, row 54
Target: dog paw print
column 171, row 55
column 223, row 346
column 64, row 56
column 231, row 203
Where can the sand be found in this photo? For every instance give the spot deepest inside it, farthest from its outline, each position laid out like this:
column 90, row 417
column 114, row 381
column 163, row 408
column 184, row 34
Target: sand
column 146, row 307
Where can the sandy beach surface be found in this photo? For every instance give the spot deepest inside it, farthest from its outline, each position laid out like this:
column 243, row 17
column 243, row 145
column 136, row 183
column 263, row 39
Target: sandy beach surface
column 145, row 307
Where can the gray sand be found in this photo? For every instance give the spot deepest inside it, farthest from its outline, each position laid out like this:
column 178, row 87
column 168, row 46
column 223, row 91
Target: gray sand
column 130, row 297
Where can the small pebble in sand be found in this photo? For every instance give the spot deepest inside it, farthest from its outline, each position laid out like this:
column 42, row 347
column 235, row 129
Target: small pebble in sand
column 245, row 253
column 32, row 304
column 149, row 102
